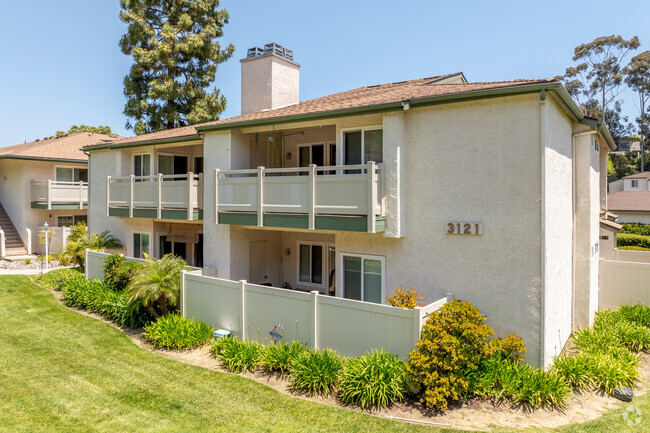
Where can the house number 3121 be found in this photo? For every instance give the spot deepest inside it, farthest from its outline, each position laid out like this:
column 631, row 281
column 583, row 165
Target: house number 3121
column 464, row 228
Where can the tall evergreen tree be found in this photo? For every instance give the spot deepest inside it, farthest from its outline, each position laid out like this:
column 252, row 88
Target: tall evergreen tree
column 638, row 78
column 175, row 58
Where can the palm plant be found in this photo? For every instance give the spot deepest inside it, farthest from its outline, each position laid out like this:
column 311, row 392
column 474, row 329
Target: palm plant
column 157, row 282
column 79, row 239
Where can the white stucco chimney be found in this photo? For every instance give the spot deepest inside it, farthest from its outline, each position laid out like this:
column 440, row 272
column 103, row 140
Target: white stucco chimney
column 269, row 79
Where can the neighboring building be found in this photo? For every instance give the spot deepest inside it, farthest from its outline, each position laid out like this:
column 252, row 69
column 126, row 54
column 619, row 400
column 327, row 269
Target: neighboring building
column 43, row 181
column 609, row 228
column 629, row 198
column 490, row 191
column 628, row 144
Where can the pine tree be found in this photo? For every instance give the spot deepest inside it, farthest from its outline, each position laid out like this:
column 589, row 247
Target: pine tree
column 175, row 58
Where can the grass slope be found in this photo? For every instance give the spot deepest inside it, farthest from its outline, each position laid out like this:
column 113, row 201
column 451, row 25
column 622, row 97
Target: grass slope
column 63, row 371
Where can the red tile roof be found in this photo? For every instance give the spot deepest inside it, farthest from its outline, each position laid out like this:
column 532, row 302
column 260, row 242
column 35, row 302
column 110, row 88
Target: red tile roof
column 67, row 147
column 630, row 201
column 360, row 97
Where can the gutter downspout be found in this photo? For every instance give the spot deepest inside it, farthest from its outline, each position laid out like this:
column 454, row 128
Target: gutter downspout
column 542, row 99
column 574, row 225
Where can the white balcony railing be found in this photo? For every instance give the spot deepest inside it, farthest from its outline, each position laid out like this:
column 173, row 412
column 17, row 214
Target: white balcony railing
column 158, row 192
column 352, row 190
column 52, row 192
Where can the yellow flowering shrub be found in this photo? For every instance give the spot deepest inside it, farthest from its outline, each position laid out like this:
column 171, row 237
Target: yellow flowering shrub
column 405, row 298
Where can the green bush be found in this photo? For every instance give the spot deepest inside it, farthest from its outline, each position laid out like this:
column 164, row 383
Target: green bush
column 506, row 379
column 118, row 271
column 57, row 278
column 630, row 240
column 217, row 346
column 278, row 357
column 636, row 229
column 452, row 343
column 177, row 332
column 238, row 356
column 639, row 314
column 315, row 371
column 577, row 370
column 373, row 380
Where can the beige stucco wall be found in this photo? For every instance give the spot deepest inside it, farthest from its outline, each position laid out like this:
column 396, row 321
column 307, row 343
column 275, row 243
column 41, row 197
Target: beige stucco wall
column 16, row 193
column 268, row 82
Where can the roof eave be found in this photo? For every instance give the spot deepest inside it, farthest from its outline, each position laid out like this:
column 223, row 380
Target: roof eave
column 183, row 138
column 44, row 158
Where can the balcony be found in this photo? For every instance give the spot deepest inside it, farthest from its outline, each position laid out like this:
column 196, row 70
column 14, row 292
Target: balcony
column 52, row 194
column 160, row 196
column 346, row 197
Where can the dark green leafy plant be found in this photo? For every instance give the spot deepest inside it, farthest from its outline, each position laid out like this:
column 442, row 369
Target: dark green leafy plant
column 639, row 314
column 315, row 371
column 278, row 357
column 577, row 370
column 177, row 332
column 239, row 356
column 58, row 278
column 157, row 283
column 373, row 380
column 118, row 271
column 636, row 229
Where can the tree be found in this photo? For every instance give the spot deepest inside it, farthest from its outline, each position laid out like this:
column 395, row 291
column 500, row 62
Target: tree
column 74, row 129
column 175, row 59
column 79, row 240
column 611, row 171
column 157, row 282
column 638, row 79
column 618, row 125
column 599, row 75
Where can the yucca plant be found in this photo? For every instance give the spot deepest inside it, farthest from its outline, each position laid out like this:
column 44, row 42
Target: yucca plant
column 315, row 371
column 240, row 356
column 278, row 357
column 157, row 283
column 375, row 379
column 174, row 331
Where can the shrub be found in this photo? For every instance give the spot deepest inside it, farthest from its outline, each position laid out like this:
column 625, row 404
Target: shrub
column 27, row 261
column 405, row 298
column 238, row 356
column 577, row 370
column 118, row 271
column 626, row 239
column 58, row 278
column 374, row 379
column 507, row 379
column 511, row 347
column 157, row 283
column 315, row 371
column 636, row 229
column 177, row 332
column 452, row 343
column 634, row 337
column 278, row 357
column 79, row 239
column 639, row 314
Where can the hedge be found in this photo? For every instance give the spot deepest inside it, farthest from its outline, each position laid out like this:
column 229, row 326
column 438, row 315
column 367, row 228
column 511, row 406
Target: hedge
column 636, row 229
column 630, row 240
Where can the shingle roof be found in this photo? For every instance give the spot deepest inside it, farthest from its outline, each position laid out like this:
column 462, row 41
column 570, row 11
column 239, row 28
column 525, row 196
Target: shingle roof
column 611, row 225
column 67, row 147
column 360, row 97
column 642, row 175
column 631, row 201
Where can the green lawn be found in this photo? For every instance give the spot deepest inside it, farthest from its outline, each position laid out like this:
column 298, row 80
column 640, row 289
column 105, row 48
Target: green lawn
column 63, row 371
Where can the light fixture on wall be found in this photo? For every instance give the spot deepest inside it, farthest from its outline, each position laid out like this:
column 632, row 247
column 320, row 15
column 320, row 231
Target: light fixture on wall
column 288, row 155
column 287, row 252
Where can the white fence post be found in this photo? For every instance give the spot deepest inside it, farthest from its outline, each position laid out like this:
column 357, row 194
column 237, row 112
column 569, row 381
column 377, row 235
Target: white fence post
column 85, row 261
column 183, row 273
column 242, row 288
column 190, row 185
column 372, row 196
column 314, row 318
column 312, row 196
column 49, row 194
column 108, row 195
column 2, row 243
column 417, row 324
column 29, row 240
column 260, row 196
column 131, row 187
column 216, row 196
column 601, row 284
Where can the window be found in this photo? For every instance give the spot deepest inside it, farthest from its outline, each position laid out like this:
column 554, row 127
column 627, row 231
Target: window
column 172, row 164
column 177, row 248
column 70, row 174
column 198, row 165
column 311, row 262
column 65, row 221
column 142, row 164
column 140, row 245
column 635, row 183
column 360, row 147
column 311, row 154
column 363, row 277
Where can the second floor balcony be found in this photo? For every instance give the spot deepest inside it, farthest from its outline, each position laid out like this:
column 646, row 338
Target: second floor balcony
column 159, row 196
column 345, row 197
column 51, row 194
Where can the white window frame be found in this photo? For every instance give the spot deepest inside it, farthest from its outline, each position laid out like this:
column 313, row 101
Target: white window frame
column 133, row 243
column 324, row 265
column 340, row 156
column 635, row 183
column 341, row 273
column 71, row 167
column 151, row 158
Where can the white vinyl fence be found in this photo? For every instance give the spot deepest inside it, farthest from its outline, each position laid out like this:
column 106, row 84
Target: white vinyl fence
column 623, row 283
column 95, row 264
column 350, row 327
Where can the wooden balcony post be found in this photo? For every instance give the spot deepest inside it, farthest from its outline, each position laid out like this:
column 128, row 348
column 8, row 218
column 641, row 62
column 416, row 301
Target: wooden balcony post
column 216, row 196
column 190, row 204
column 108, row 196
column 49, row 193
column 160, row 180
column 312, row 197
column 260, row 196
column 372, row 195
column 131, row 187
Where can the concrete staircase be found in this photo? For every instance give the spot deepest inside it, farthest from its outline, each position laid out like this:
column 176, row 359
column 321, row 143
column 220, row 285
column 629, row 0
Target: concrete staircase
column 13, row 243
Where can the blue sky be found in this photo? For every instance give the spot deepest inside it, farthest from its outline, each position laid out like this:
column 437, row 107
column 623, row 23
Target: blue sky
column 62, row 64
